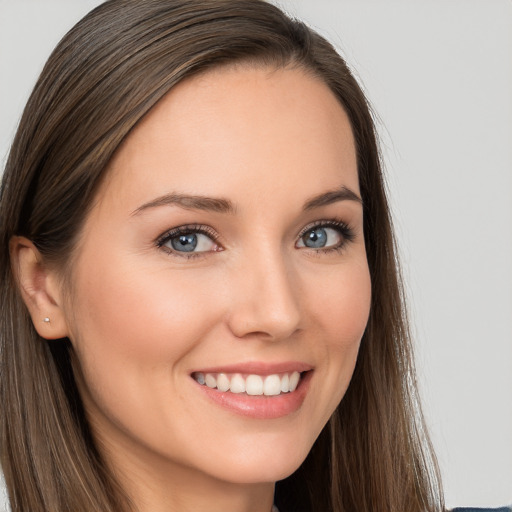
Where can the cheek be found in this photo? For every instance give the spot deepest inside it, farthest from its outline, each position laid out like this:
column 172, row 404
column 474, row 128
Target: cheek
column 135, row 327
column 343, row 304
column 342, row 307
column 140, row 310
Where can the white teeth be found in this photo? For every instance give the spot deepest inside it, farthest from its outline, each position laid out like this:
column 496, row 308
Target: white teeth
column 210, row 380
column 294, row 380
column 272, row 385
column 237, row 384
column 285, row 384
column 222, row 382
column 254, row 385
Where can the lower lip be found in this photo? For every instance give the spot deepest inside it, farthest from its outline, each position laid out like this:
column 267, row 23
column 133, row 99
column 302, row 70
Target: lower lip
column 261, row 406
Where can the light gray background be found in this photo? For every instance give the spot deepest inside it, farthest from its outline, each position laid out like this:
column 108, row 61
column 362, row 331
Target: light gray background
column 439, row 74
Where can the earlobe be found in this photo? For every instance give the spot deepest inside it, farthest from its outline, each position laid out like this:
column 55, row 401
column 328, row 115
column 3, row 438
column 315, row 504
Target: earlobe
column 39, row 288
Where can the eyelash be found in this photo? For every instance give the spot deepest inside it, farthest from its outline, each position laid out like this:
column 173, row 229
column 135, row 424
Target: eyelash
column 185, row 230
column 346, row 232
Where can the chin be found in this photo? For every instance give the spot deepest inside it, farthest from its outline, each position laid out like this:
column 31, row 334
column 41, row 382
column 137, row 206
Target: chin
column 255, row 472
column 261, row 462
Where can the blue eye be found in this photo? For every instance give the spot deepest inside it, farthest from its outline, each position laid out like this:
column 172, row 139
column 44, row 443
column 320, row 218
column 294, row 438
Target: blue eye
column 189, row 240
column 325, row 235
column 318, row 237
column 184, row 243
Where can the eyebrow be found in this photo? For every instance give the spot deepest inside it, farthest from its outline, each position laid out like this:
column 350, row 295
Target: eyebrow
column 189, row 202
column 221, row 205
column 333, row 196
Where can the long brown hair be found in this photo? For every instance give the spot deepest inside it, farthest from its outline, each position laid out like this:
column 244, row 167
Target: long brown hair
column 102, row 78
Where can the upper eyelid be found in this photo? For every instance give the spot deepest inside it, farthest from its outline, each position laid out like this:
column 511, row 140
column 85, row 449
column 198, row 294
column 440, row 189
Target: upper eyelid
column 188, row 228
column 330, row 223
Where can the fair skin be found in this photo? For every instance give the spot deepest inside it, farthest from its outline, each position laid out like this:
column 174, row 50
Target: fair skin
column 278, row 283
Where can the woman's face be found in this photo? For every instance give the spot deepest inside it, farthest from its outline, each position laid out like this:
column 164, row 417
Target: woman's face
column 225, row 249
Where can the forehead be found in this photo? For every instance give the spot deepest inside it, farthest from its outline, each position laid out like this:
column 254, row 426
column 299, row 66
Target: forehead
column 234, row 127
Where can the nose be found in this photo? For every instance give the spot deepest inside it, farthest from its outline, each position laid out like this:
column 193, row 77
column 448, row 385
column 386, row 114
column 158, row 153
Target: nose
column 266, row 300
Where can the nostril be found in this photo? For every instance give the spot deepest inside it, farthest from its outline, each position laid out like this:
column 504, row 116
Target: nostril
column 263, row 322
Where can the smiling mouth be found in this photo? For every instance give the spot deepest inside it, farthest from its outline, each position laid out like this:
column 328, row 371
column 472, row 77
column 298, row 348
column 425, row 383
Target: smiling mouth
column 251, row 384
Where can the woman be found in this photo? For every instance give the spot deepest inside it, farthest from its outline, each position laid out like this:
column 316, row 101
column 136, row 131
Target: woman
column 197, row 261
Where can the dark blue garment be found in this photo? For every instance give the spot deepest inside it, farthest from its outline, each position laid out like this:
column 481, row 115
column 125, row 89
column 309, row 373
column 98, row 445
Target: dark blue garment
column 501, row 509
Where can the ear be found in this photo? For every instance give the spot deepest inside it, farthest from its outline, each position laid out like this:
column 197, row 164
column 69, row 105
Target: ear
column 40, row 289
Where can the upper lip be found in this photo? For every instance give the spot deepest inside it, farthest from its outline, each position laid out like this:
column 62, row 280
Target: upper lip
column 258, row 368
